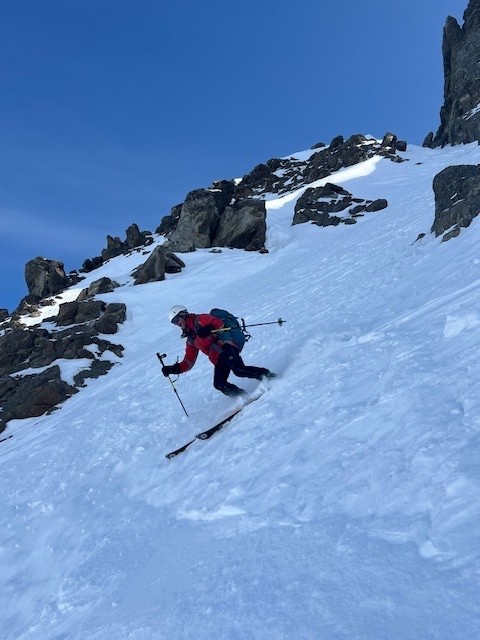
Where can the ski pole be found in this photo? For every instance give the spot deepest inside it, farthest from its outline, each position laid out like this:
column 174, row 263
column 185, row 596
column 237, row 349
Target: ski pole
column 244, row 326
column 261, row 324
column 160, row 357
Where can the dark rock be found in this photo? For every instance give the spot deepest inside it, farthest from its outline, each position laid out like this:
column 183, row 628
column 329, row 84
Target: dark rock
column 318, row 145
column 153, row 270
column 115, row 313
column 103, row 285
column 316, row 204
column 356, row 140
column 169, row 223
column 134, row 237
column 45, row 277
column 33, row 395
column 116, row 310
column 459, row 115
column 243, row 226
column 4, row 314
column 173, row 264
column 376, row 205
column 428, row 142
column 261, row 179
column 319, row 203
column 104, row 345
column 227, row 187
column 199, row 220
column 389, row 140
column 401, row 145
column 97, row 369
column 336, row 142
column 77, row 312
column 106, row 324
column 457, row 197
column 115, row 247
column 91, row 264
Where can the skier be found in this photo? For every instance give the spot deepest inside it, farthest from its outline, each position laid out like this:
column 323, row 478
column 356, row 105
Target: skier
column 199, row 330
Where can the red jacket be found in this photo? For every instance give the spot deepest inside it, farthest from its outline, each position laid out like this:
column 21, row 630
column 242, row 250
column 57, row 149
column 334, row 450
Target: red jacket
column 211, row 346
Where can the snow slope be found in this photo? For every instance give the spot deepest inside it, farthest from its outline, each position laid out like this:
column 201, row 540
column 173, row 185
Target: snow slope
column 344, row 503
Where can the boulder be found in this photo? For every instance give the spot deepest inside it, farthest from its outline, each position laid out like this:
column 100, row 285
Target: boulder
column 242, row 226
column 4, row 314
column 78, row 312
column 153, row 270
column 457, row 197
column 199, row 220
column 115, row 247
column 92, row 263
column 97, row 369
column 45, row 277
column 136, row 238
column 103, row 285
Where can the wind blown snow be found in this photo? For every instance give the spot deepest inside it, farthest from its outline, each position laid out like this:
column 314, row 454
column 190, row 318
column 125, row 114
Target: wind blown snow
column 343, row 503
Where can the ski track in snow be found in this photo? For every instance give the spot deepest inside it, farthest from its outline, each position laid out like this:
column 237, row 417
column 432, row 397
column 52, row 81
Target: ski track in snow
column 343, row 503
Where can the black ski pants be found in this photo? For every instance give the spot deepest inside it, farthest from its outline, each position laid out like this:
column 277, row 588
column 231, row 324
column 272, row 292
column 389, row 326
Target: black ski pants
column 231, row 360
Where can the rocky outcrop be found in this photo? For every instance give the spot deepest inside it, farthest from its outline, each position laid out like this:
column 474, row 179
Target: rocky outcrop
column 287, row 174
column 116, row 247
column 4, row 314
column 45, row 277
column 213, row 218
column 242, row 226
column 321, row 204
column 32, row 395
column 460, row 113
column 457, row 197
column 199, row 220
column 79, row 325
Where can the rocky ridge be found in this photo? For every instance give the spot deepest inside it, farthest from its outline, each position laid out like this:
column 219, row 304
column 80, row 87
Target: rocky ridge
column 460, row 113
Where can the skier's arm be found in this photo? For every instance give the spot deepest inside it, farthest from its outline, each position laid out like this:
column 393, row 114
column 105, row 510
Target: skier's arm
column 189, row 359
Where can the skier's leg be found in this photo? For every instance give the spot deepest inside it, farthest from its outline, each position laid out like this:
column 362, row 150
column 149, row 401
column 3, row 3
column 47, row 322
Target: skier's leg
column 221, row 373
column 241, row 370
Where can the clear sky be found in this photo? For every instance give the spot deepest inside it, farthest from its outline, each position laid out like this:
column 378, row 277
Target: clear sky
column 111, row 111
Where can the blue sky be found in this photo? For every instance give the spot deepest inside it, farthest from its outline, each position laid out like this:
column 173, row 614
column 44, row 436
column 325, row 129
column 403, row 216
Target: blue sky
column 112, row 111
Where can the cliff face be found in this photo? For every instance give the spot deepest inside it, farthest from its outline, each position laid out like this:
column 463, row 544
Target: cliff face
column 460, row 114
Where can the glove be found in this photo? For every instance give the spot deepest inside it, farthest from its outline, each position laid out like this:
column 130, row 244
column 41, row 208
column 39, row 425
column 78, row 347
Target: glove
column 170, row 369
column 203, row 332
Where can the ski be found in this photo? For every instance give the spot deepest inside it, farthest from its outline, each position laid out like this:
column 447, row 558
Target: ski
column 205, row 435
column 208, row 433
column 172, row 454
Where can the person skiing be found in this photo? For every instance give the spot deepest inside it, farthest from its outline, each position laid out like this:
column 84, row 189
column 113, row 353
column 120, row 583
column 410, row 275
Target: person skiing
column 200, row 330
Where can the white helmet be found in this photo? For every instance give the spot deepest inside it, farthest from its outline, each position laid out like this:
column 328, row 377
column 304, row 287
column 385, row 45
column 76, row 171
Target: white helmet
column 175, row 311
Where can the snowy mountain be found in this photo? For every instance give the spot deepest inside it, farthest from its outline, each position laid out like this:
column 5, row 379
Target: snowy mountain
column 343, row 503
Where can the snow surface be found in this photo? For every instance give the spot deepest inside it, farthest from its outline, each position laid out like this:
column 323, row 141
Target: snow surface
column 343, row 503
